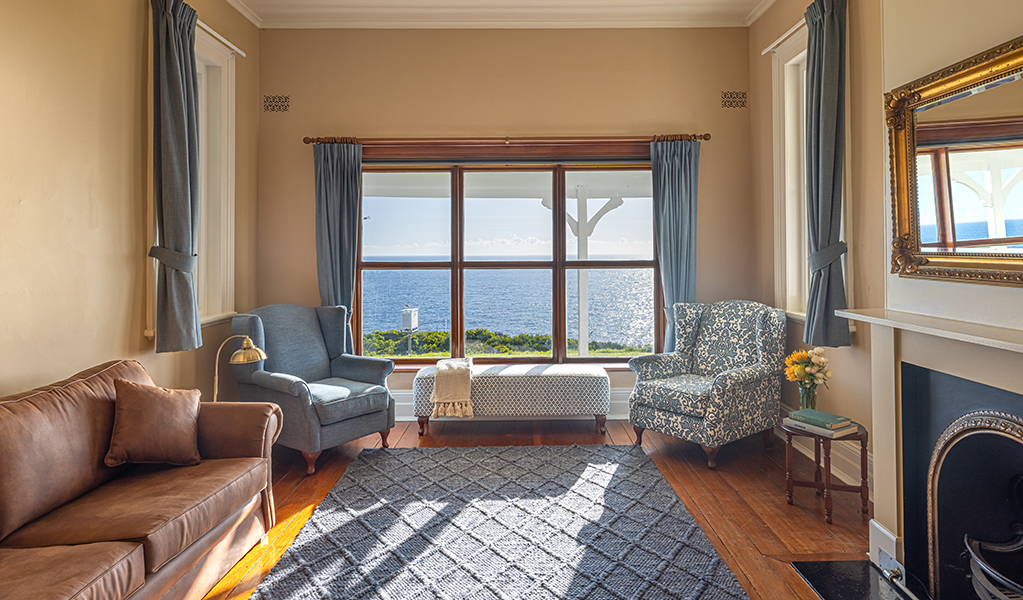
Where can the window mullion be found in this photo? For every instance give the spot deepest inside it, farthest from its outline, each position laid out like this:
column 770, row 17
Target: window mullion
column 457, row 262
column 559, row 334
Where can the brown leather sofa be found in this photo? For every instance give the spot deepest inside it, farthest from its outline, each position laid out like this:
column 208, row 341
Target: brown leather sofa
column 71, row 527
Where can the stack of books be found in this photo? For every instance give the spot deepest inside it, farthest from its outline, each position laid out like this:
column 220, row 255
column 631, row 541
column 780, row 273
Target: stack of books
column 820, row 423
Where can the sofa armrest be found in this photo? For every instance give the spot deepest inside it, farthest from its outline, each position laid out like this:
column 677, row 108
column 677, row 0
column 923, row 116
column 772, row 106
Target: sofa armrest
column 280, row 382
column 660, row 366
column 362, row 368
column 238, row 429
column 241, row 430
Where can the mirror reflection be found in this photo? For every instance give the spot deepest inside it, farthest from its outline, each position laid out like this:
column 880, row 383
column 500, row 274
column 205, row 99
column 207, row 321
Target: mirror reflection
column 969, row 165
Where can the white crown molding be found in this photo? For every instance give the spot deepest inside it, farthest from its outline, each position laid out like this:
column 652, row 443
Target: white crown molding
column 246, row 12
column 758, row 12
column 489, row 24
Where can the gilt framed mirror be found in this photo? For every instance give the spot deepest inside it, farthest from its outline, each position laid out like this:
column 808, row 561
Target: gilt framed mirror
column 956, row 150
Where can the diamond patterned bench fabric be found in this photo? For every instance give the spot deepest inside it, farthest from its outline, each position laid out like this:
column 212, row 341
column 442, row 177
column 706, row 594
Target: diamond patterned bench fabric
column 526, row 390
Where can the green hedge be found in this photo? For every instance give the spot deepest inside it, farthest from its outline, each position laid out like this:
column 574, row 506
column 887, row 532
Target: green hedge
column 482, row 342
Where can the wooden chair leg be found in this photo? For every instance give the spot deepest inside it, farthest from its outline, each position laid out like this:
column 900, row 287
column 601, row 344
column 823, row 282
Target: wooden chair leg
column 768, row 437
column 639, row 434
column 712, row 455
column 423, row 422
column 310, row 461
column 383, row 438
column 601, row 424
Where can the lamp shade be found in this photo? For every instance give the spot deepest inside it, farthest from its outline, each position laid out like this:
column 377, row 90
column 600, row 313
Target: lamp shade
column 248, row 353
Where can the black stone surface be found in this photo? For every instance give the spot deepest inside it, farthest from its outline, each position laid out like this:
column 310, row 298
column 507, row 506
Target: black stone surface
column 848, row 580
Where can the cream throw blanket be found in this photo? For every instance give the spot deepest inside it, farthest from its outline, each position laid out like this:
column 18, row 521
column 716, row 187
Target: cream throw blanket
column 451, row 388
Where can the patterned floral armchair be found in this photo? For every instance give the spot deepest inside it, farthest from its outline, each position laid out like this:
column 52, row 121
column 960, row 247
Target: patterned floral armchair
column 722, row 383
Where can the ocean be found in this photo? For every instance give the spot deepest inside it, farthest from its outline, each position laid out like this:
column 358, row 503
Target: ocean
column 972, row 230
column 621, row 305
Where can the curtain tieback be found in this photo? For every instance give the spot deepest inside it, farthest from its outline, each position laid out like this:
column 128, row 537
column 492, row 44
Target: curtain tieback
column 825, row 256
column 174, row 260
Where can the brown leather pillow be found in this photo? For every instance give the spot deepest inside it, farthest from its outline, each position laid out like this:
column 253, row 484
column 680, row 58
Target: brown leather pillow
column 154, row 425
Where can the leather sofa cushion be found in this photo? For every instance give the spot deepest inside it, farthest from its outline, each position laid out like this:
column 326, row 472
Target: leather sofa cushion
column 336, row 399
column 104, row 571
column 684, row 395
column 164, row 508
column 53, row 440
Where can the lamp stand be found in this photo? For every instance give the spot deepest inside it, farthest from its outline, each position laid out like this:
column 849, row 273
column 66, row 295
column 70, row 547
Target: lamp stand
column 216, row 368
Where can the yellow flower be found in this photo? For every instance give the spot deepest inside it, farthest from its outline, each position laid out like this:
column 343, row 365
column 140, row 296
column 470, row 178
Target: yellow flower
column 800, row 356
column 790, row 373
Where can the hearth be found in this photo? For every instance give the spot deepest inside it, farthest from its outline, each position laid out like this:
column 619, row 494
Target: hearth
column 962, row 482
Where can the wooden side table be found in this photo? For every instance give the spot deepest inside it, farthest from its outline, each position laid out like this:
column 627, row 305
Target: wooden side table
column 825, row 487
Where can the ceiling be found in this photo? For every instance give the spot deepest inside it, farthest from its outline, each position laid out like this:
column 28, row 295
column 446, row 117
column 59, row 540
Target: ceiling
column 501, row 14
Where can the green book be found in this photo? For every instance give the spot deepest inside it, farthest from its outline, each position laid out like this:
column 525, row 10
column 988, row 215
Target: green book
column 819, row 419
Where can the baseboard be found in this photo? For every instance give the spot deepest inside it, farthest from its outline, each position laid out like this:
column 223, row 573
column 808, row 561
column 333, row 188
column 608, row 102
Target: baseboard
column 403, row 408
column 845, row 458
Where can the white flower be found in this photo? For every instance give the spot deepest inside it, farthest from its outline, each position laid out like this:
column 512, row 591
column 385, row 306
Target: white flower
column 811, row 370
column 820, row 380
column 816, row 352
column 817, row 360
column 828, row 373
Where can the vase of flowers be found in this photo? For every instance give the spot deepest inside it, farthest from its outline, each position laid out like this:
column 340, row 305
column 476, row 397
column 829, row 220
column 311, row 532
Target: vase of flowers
column 808, row 368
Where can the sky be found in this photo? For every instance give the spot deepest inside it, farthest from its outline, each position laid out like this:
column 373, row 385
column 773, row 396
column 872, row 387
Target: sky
column 505, row 214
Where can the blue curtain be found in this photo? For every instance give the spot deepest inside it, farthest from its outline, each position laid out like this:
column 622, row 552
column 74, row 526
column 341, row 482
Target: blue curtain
column 176, row 175
column 825, row 145
column 338, row 176
column 676, row 166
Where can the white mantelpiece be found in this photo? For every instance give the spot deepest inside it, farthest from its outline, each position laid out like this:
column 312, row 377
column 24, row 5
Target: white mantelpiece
column 987, row 354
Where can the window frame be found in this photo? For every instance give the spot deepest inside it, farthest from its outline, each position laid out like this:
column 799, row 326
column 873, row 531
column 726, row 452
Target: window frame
column 215, row 281
column 791, row 252
column 558, row 265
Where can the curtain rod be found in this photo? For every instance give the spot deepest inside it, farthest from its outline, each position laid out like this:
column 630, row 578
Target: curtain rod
column 507, row 140
column 220, row 38
column 784, row 37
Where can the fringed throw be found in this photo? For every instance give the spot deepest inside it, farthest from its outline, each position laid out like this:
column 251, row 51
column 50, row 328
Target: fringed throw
column 452, row 388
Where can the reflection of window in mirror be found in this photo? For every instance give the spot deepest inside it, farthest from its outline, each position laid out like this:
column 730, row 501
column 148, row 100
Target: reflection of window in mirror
column 968, row 196
column 969, row 165
column 792, row 272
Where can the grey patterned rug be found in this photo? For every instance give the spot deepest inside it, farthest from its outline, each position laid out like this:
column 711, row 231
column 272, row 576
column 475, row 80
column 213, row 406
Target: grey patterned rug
column 592, row 522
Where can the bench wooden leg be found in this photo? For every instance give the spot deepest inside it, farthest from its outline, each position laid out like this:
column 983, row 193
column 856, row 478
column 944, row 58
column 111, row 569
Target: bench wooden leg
column 601, row 424
column 310, row 461
column 768, row 437
column 639, row 434
column 423, row 422
column 383, row 438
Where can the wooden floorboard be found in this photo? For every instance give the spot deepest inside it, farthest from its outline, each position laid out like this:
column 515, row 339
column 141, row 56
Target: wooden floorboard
column 740, row 506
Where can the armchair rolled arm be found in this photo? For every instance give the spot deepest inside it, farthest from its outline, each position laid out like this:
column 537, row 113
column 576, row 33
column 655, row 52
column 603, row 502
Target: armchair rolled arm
column 744, row 375
column 362, row 368
column 280, row 382
column 660, row 366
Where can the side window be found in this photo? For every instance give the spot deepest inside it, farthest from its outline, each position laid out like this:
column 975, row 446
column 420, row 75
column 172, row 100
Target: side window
column 214, row 272
column 792, row 272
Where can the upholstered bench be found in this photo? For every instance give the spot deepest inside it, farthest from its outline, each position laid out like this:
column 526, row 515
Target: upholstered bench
column 525, row 391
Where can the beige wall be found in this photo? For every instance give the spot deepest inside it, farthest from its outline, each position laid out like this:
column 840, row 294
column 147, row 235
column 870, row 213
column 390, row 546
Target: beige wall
column 73, row 188
column 849, row 392
column 964, row 29
column 481, row 83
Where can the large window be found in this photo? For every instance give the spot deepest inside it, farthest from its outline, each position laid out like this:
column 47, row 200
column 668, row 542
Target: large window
column 548, row 263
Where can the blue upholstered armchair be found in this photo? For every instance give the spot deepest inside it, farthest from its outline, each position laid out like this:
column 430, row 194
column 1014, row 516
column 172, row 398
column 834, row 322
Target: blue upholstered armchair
column 327, row 397
column 722, row 383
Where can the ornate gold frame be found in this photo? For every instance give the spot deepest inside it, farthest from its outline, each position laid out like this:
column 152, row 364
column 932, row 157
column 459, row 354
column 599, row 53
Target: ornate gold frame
column 900, row 107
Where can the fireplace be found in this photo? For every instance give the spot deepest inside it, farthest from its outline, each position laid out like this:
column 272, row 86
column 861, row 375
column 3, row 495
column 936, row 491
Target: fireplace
column 962, row 474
